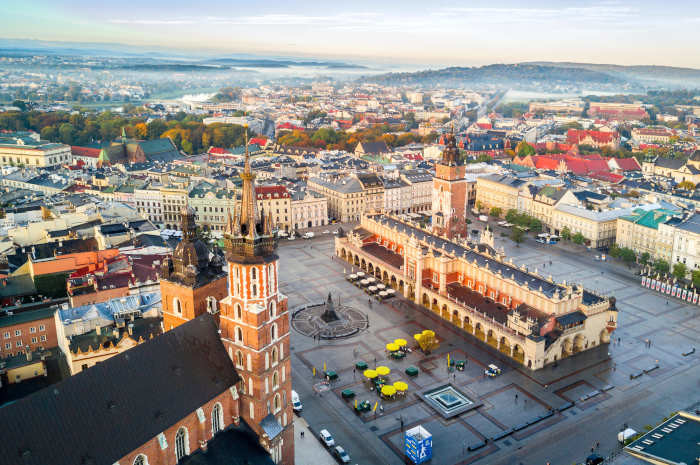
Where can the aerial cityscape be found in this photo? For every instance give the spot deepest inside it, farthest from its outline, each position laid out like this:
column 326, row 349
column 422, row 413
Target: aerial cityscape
column 310, row 234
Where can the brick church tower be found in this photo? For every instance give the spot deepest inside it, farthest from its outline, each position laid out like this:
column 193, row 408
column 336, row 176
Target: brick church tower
column 191, row 283
column 254, row 324
column 450, row 193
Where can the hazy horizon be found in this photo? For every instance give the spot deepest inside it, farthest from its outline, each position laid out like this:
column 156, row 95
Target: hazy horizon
column 428, row 35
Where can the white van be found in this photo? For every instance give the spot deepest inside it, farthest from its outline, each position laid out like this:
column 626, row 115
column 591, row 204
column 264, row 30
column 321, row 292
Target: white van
column 296, row 403
column 308, row 235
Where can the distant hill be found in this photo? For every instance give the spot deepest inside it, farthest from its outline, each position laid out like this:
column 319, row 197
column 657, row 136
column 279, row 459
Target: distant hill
column 502, row 74
column 669, row 74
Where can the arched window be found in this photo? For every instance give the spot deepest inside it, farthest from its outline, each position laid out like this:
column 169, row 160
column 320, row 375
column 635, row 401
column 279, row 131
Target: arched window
column 255, row 290
column 239, row 335
column 277, row 403
column 272, row 309
column 181, row 444
column 253, row 273
column 273, row 332
column 239, row 312
column 274, row 356
column 141, row 460
column 177, row 306
column 239, row 359
column 275, row 380
column 217, row 419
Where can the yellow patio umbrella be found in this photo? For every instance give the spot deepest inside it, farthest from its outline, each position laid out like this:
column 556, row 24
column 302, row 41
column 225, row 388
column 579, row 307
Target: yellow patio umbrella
column 371, row 374
column 392, row 347
column 383, row 371
column 400, row 386
column 428, row 332
column 400, row 342
column 417, row 336
column 388, row 390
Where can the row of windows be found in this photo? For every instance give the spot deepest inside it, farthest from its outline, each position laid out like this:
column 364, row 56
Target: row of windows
column 8, row 345
column 182, row 437
column 27, row 161
column 18, row 332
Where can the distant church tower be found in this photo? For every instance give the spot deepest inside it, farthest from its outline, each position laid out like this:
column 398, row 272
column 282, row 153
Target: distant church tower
column 191, row 283
column 254, row 324
column 450, row 193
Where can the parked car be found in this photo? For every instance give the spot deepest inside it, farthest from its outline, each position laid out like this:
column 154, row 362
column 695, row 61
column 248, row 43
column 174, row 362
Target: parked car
column 308, row 235
column 326, row 438
column 341, row 455
column 296, row 402
column 541, row 240
column 326, row 232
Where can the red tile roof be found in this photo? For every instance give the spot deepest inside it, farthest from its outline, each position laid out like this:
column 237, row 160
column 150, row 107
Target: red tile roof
column 575, row 136
column 270, row 191
column 545, row 163
column 289, row 126
column 261, row 141
column 628, row 164
column 85, row 151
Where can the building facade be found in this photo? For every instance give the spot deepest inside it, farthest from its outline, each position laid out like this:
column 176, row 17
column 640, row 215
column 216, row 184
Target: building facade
column 528, row 317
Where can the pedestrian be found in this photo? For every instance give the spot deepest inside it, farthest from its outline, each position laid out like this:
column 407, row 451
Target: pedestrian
column 302, row 434
column 597, row 444
column 516, row 397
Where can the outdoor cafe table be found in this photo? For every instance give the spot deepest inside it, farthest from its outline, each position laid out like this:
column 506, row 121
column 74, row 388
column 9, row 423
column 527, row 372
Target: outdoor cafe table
column 347, row 393
column 381, row 286
column 361, row 365
column 412, row 371
column 332, row 375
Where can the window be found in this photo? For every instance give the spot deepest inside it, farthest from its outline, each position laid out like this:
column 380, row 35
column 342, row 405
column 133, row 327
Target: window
column 253, row 274
column 43, row 338
column 176, row 305
column 273, row 332
column 34, row 340
column 7, row 335
column 272, row 309
column 275, row 380
column 277, row 403
column 239, row 359
column 140, row 460
column 18, row 343
column 217, row 417
column 239, row 312
column 239, row 335
column 32, row 330
column 274, row 356
column 8, row 345
column 181, row 445
column 255, row 290
column 18, row 332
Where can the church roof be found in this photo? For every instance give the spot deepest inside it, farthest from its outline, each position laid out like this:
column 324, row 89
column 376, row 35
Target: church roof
column 103, row 413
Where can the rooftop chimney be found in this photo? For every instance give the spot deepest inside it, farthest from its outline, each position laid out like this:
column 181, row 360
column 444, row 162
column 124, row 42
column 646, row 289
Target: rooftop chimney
column 131, row 329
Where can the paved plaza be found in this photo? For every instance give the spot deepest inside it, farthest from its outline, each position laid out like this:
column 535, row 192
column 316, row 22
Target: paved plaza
column 510, row 400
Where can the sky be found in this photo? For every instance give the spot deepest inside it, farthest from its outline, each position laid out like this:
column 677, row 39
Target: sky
column 431, row 33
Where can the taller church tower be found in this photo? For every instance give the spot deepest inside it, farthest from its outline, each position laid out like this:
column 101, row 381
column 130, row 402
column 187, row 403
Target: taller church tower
column 450, row 193
column 254, row 324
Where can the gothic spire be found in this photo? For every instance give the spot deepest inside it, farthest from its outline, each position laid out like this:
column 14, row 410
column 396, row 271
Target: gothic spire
column 249, row 213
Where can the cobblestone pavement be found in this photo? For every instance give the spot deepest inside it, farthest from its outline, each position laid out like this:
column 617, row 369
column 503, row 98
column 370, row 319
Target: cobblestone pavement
column 307, row 275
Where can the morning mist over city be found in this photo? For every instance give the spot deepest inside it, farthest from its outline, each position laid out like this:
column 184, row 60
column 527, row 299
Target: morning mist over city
column 311, row 233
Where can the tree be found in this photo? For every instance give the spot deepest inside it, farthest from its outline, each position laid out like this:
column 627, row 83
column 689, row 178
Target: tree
column 524, row 149
column 512, row 216
column 517, row 235
column 578, row 238
column 696, row 278
column 687, row 185
column 680, row 270
column 65, row 133
column 566, row 234
column 535, row 225
column 479, row 205
column 496, row 212
column 644, row 258
column 661, row 266
column 49, row 133
column 627, row 255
